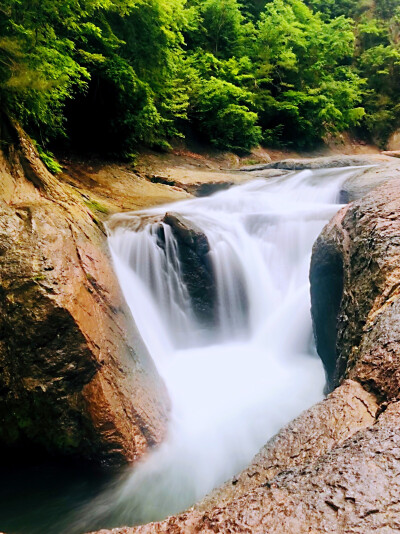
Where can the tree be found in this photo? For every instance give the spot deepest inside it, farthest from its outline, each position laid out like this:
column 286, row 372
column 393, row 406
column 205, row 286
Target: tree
column 307, row 88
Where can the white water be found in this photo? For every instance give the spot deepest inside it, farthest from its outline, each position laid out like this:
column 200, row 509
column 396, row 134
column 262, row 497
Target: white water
column 232, row 391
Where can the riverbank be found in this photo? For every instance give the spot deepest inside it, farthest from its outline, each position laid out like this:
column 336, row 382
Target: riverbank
column 158, row 178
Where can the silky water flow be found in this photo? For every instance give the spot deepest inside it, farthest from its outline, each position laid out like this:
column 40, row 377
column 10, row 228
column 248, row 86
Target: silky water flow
column 231, row 387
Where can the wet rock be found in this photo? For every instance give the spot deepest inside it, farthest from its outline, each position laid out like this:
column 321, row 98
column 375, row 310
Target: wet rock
column 315, row 432
column 329, row 162
column 364, row 241
column 367, row 180
column 207, row 189
column 196, row 267
column 75, row 377
column 318, row 462
column 327, row 281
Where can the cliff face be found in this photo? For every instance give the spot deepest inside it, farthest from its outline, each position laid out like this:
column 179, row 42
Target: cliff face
column 75, row 377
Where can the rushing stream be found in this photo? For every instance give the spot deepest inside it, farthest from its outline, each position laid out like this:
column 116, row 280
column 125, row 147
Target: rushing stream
column 234, row 385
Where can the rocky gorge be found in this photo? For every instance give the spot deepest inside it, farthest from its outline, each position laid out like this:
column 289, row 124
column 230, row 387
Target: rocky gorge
column 76, row 379
column 335, row 468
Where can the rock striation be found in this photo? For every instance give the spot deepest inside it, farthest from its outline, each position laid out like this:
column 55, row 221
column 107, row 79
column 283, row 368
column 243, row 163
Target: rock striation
column 75, row 377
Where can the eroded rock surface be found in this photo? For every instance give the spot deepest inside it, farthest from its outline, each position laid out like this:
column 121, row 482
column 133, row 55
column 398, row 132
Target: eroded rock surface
column 305, row 480
column 362, row 335
column 336, row 468
column 75, row 378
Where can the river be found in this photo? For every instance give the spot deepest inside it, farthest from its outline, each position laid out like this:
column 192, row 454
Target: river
column 232, row 385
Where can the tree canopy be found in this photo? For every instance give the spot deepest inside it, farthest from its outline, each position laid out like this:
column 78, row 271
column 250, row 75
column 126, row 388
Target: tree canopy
column 113, row 74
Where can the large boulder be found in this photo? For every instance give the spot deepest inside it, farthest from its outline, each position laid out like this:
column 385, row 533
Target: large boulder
column 355, row 275
column 75, row 377
column 196, row 267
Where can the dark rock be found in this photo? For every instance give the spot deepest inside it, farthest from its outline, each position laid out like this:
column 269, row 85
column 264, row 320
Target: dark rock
column 197, row 271
column 207, row 189
column 327, row 279
column 187, row 233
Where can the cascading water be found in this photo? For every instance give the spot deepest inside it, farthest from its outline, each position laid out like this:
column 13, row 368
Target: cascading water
column 234, row 385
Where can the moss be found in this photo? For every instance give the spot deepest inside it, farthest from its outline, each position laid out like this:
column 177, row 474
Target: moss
column 38, row 277
column 67, row 442
column 48, row 159
column 93, row 205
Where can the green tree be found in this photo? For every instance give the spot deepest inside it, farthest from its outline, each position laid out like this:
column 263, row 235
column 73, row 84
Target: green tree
column 307, row 88
column 223, row 113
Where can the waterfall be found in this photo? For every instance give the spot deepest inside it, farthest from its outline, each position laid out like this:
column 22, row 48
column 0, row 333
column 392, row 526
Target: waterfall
column 236, row 382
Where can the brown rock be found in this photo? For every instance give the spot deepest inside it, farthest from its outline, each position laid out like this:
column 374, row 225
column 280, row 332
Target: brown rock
column 306, row 479
column 316, row 431
column 392, row 153
column 355, row 275
column 75, row 378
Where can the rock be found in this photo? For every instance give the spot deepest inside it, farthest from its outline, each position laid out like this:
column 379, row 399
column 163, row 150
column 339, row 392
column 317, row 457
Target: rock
column 75, row 377
column 255, row 168
column 336, row 468
column 312, row 163
column 198, row 189
column 392, row 153
column 393, row 143
column 197, row 270
column 367, row 180
column 327, row 280
column 271, row 173
column 311, row 435
column 315, row 464
column 364, row 242
column 207, row 189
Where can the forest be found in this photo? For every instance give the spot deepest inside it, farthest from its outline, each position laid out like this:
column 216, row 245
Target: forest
column 114, row 75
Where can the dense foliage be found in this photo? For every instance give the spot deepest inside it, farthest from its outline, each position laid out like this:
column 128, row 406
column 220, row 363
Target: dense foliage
column 113, row 74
